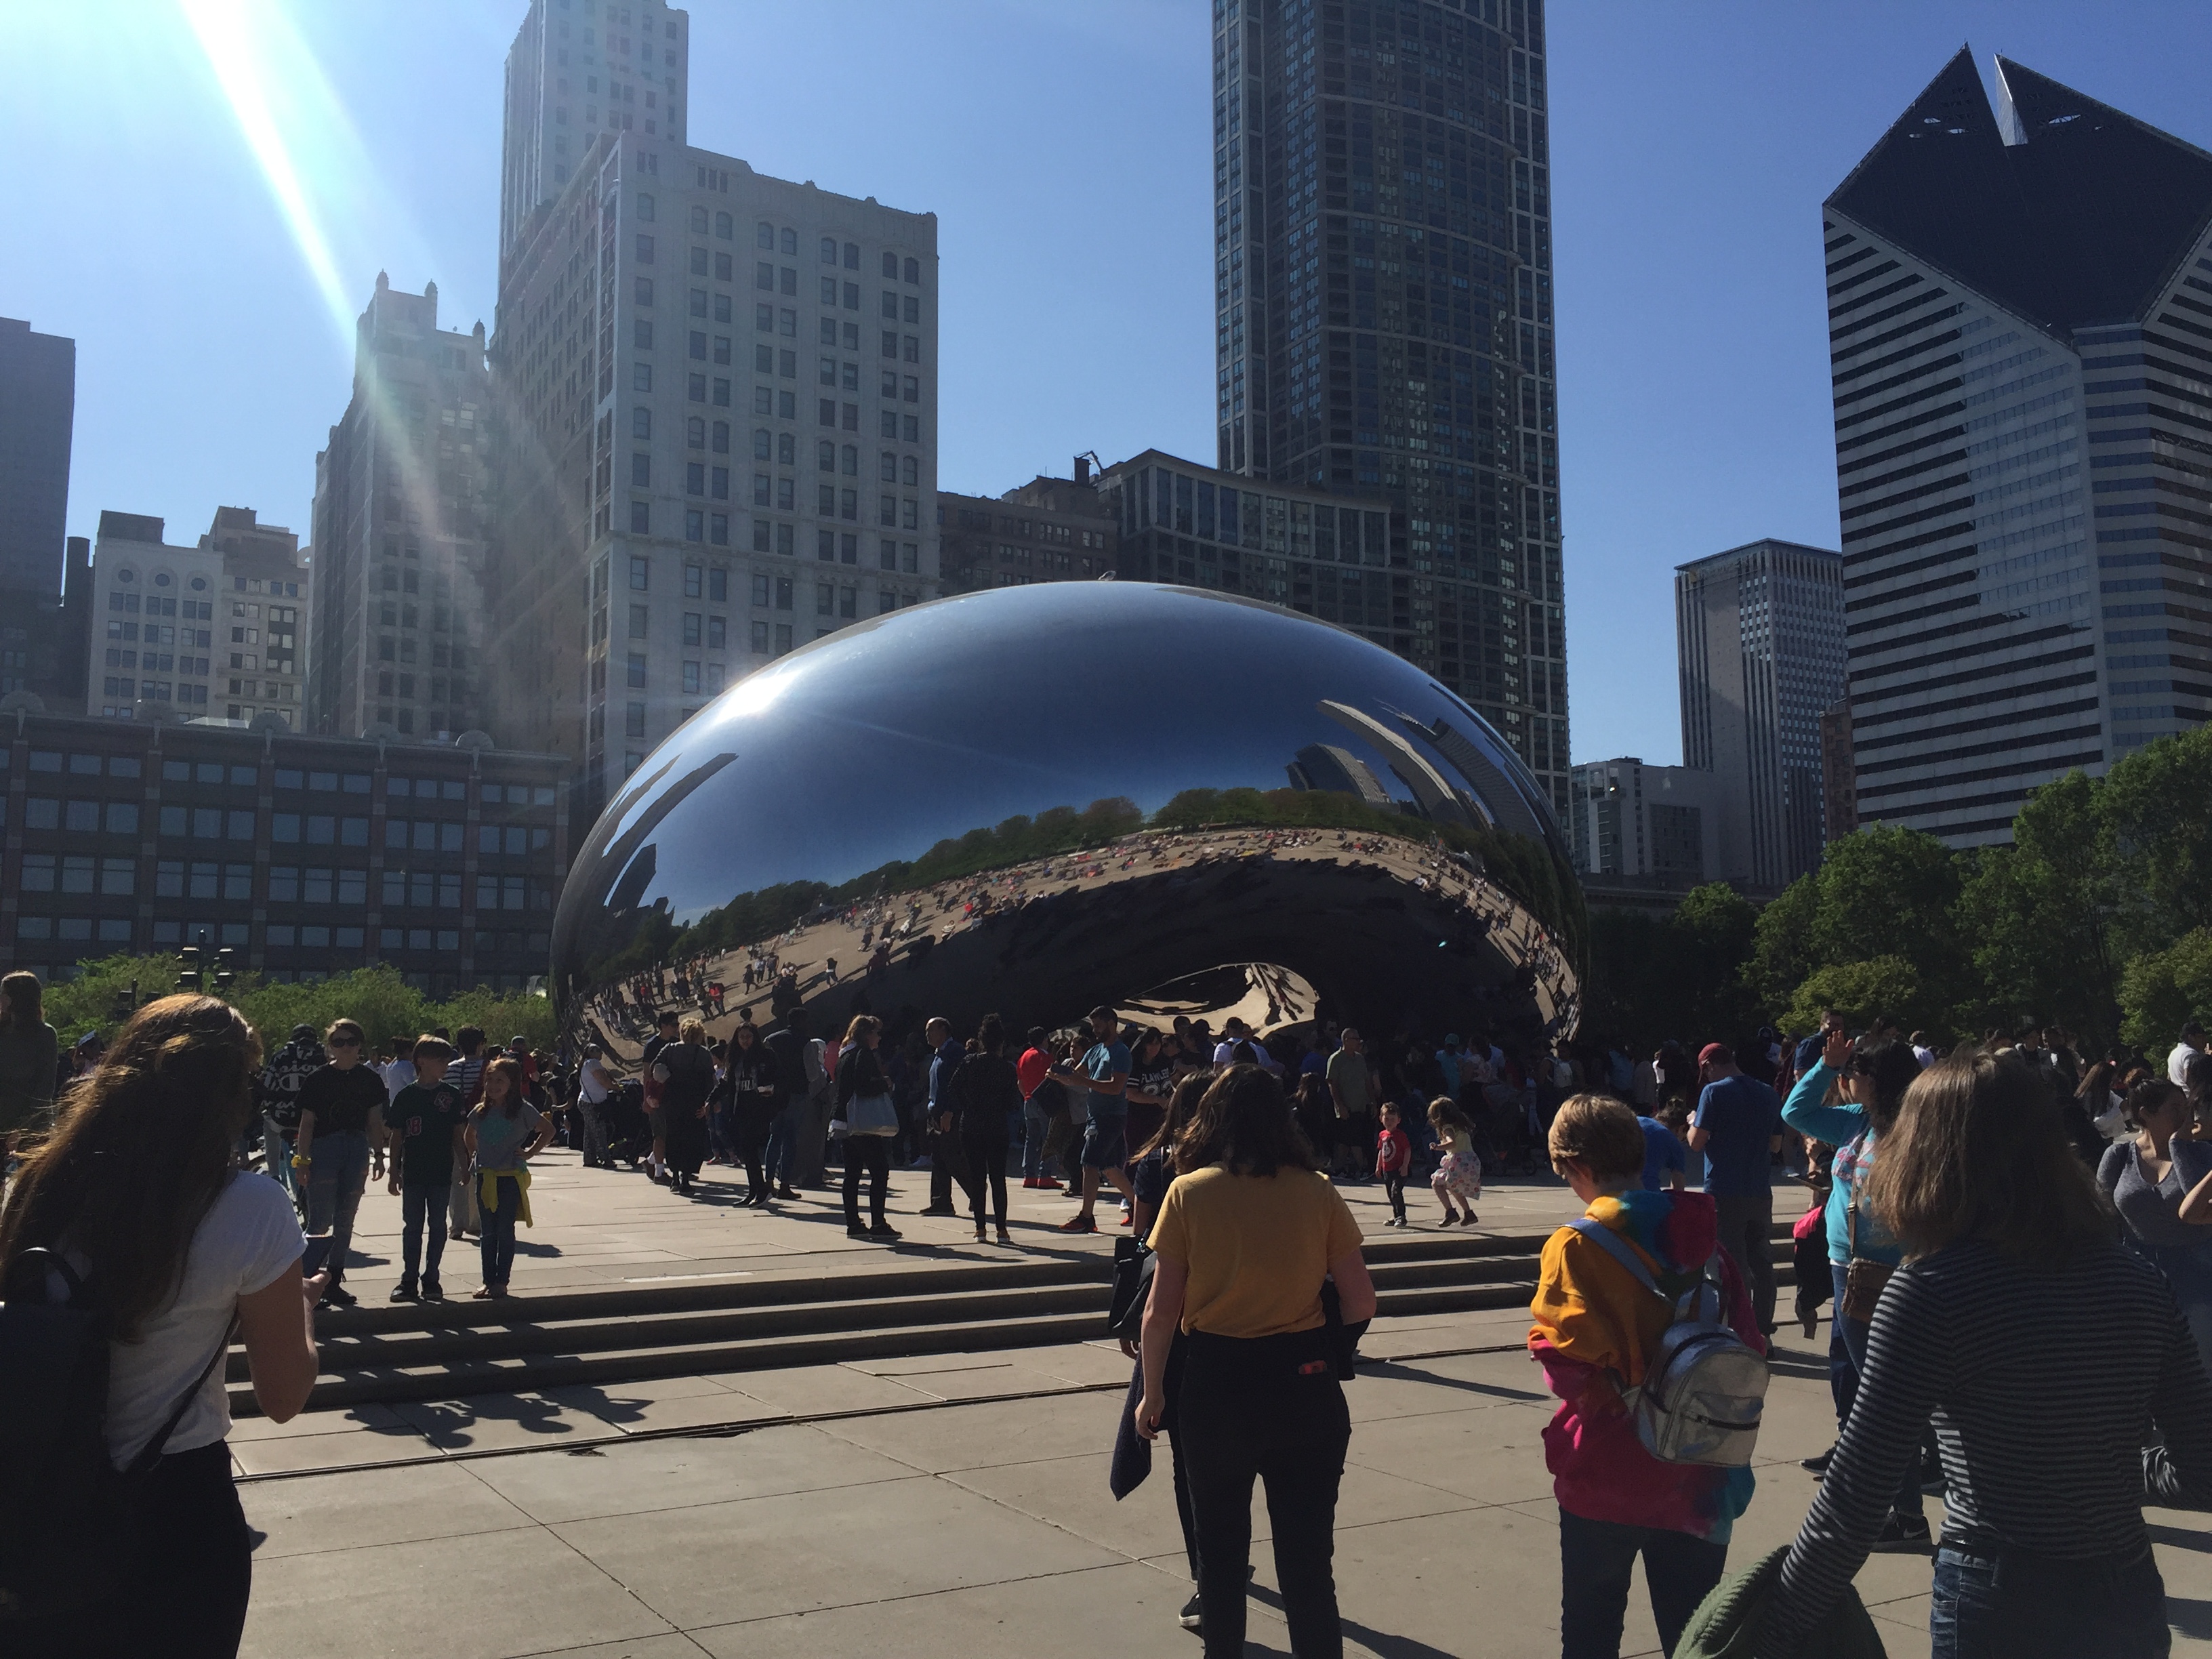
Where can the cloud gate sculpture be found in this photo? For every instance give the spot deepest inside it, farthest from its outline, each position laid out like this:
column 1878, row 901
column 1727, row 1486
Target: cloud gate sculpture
column 1038, row 798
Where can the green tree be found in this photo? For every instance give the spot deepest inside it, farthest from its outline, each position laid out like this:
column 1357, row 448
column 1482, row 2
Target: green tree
column 2161, row 989
column 1716, row 930
column 384, row 1004
column 2039, row 914
column 1884, row 987
column 2155, row 812
column 1682, row 977
column 1782, row 953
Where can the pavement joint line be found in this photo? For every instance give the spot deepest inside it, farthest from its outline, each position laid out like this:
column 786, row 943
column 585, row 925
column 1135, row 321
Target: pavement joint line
column 749, row 1425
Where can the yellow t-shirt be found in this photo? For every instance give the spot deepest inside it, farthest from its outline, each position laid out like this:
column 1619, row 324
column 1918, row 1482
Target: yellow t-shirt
column 1257, row 1248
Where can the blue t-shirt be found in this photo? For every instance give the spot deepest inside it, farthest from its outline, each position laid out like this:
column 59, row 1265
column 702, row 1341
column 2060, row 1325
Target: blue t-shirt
column 1104, row 1060
column 1742, row 1116
column 1662, row 1152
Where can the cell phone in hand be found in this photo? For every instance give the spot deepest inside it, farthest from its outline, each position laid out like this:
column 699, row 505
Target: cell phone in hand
column 313, row 1258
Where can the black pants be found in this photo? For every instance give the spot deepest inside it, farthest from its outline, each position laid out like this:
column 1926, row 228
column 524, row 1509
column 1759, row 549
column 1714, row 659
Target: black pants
column 870, row 1155
column 1394, row 1187
column 1747, row 1230
column 946, row 1165
column 984, row 1159
column 1596, row 1560
column 1269, row 1409
column 189, row 1588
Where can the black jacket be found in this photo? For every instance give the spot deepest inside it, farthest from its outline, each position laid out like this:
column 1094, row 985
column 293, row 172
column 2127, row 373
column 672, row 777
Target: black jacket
column 984, row 1090
column 860, row 1074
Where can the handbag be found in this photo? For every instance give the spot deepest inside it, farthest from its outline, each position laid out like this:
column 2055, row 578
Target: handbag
column 870, row 1115
column 1134, row 1266
column 1862, row 1280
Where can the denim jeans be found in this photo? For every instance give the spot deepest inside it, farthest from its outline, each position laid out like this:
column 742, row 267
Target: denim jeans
column 339, row 1170
column 783, row 1140
column 2035, row 1608
column 498, row 1240
column 422, row 1203
column 1596, row 1559
column 1035, row 1126
column 276, row 1155
column 1853, row 1335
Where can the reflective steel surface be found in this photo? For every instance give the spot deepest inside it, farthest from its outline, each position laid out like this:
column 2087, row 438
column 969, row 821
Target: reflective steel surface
column 1052, row 796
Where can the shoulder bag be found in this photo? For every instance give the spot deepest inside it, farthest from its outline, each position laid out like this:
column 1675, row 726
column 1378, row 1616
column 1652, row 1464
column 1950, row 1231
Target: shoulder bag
column 1862, row 1280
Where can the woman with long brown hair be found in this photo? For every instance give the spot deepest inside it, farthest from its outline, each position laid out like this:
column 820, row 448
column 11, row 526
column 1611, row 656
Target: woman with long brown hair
column 137, row 1191
column 1246, row 1236
column 2044, row 1348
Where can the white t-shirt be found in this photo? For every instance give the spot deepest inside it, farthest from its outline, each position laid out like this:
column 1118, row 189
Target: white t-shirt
column 591, row 1083
column 2177, row 1064
column 250, row 1235
column 398, row 1076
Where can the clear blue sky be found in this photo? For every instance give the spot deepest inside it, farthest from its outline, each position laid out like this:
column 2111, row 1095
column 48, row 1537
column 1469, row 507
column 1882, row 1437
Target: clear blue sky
column 203, row 193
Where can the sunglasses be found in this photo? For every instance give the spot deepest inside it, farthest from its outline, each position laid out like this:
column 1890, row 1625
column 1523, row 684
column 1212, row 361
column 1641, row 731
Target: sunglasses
column 346, row 1043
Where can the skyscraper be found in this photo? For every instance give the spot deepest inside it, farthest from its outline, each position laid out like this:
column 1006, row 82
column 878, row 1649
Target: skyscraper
column 2019, row 317
column 719, row 397
column 1384, row 297
column 38, row 409
column 579, row 68
column 401, row 496
column 1759, row 647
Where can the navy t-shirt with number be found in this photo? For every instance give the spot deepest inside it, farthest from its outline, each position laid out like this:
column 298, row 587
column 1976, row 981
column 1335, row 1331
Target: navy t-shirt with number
column 424, row 1117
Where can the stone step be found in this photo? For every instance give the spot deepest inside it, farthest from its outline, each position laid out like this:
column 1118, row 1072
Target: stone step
column 406, row 1352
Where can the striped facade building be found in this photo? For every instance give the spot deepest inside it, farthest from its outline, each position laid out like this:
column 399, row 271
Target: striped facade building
column 2020, row 306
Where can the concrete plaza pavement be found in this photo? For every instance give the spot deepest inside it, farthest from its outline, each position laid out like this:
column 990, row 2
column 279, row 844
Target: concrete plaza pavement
column 936, row 1505
column 927, row 1523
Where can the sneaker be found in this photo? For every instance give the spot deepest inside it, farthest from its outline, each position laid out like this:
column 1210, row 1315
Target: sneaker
column 787, row 1190
column 854, row 1230
column 941, row 1209
column 882, row 1229
column 335, row 1295
column 1818, row 1465
column 1901, row 1534
column 404, row 1291
column 1080, row 1224
column 1190, row 1618
column 431, row 1291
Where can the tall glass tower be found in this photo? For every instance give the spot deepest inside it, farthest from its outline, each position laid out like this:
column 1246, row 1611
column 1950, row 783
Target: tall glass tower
column 1383, row 250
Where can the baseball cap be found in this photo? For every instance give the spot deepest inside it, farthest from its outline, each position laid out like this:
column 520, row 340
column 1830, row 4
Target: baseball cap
column 1716, row 1053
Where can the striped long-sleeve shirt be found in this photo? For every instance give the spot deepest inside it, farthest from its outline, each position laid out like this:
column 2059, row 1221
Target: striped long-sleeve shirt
column 2045, row 1388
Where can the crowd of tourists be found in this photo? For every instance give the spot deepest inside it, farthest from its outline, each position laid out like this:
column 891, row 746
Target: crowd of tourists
column 2017, row 1241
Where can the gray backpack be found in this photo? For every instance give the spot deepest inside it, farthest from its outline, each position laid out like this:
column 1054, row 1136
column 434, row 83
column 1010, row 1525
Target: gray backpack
column 1703, row 1390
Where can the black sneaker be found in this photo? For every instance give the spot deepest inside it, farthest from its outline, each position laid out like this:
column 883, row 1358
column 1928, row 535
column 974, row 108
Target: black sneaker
column 431, row 1291
column 405, row 1291
column 1190, row 1618
column 1818, row 1465
column 936, row 1209
column 335, row 1295
column 785, row 1190
column 883, row 1228
column 854, row 1230
column 1902, row 1535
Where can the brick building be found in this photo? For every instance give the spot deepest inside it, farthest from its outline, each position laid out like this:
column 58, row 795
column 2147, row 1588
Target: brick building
column 305, row 856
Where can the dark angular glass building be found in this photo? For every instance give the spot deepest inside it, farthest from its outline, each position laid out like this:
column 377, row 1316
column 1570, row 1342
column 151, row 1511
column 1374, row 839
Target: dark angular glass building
column 1383, row 295
column 2019, row 320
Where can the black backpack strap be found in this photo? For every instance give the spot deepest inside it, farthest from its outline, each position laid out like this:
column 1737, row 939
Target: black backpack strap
column 150, row 1453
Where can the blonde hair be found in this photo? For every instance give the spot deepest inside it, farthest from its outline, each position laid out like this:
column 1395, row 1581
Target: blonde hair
column 693, row 1032
column 1600, row 1133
